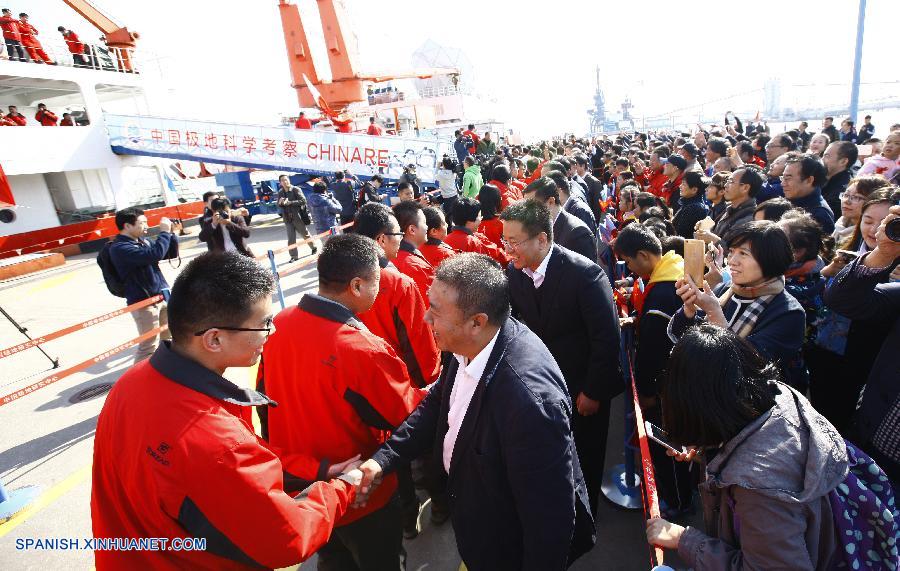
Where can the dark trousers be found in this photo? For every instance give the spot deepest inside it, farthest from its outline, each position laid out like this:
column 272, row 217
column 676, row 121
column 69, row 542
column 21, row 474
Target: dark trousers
column 448, row 205
column 406, row 489
column 15, row 50
column 373, row 543
column 590, row 442
column 832, row 391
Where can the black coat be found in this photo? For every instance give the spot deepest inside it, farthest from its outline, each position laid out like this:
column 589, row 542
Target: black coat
column 238, row 231
column 833, row 188
column 594, row 195
column 570, row 232
column 517, row 495
column 573, row 313
column 582, row 211
column 692, row 210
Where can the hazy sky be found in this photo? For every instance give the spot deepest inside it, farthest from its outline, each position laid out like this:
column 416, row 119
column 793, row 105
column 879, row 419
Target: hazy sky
column 229, row 62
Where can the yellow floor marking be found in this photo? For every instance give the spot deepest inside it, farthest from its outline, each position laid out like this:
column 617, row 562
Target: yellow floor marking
column 45, row 284
column 46, row 499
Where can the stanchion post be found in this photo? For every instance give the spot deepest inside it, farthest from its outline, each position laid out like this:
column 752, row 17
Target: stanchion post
column 621, row 484
column 14, row 501
column 271, row 255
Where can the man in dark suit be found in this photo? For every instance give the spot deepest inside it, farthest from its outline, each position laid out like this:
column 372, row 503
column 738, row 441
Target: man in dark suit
column 594, row 192
column 569, row 232
column 568, row 303
column 498, row 421
column 227, row 230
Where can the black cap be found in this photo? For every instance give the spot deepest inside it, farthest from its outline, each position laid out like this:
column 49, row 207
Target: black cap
column 677, row 161
column 690, row 148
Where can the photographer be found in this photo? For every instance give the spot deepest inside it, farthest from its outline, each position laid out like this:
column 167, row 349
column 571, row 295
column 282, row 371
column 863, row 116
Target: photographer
column 863, row 291
column 446, row 179
column 227, row 231
column 323, row 206
column 295, row 214
column 136, row 261
column 369, row 191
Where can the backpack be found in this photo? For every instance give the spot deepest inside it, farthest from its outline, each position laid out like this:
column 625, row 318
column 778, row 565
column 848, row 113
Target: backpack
column 866, row 516
column 114, row 283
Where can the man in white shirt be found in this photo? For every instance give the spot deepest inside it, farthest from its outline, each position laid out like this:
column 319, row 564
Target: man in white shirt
column 498, row 421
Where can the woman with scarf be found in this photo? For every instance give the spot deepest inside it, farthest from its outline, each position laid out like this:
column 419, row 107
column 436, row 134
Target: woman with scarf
column 755, row 305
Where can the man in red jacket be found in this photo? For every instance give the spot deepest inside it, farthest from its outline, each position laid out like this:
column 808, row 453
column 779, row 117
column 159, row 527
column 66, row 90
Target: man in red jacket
column 398, row 317
column 12, row 36
column 45, row 117
column 29, row 40
column 302, row 122
column 15, row 117
column 410, row 260
column 76, row 48
column 340, row 396
column 470, row 132
column 374, row 129
column 175, row 455
column 465, row 237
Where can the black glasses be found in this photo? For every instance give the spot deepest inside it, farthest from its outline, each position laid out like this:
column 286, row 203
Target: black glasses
column 267, row 328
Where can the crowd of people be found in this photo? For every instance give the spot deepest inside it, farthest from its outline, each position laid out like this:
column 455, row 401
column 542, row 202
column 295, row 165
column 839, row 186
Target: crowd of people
column 43, row 116
column 469, row 342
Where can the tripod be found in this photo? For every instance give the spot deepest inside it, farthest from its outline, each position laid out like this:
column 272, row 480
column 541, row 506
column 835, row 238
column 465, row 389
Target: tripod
column 24, row 331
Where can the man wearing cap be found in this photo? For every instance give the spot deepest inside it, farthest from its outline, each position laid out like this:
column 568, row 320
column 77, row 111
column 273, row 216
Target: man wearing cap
column 674, row 169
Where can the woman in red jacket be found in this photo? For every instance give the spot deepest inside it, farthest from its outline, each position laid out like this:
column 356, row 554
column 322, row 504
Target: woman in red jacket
column 489, row 197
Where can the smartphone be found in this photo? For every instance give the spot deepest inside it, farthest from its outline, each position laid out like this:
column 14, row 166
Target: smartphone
column 660, row 436
column 694, row 260
column 847, row 255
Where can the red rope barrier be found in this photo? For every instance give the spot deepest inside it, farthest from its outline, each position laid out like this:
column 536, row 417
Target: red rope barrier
column 50, row 379
column 651, row 500
column 78, row 326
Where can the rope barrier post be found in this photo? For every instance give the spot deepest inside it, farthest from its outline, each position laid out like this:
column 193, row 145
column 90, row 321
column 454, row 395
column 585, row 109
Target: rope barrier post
column 14, row 501
column 24, row 331
column 271, row 255
column 621, row 484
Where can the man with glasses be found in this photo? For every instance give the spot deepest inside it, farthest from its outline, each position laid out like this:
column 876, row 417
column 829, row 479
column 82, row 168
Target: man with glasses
column 175, row 455
column 568, row 230
column 777, row 146
column 567, row 301
column 802, row 182
column 740, row 193
column 337, row 396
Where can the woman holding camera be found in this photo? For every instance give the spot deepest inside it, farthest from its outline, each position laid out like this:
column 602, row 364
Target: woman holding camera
column 755, row 305
column 772, row 460
column 228, row 231
column 845, row 347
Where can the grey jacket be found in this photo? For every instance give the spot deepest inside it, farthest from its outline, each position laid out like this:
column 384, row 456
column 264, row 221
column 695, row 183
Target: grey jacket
column 765, row 499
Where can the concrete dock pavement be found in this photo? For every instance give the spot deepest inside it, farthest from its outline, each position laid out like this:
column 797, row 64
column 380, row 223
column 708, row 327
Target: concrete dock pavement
column 47, row 439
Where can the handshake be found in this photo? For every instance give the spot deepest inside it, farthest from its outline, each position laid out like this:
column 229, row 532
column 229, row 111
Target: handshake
column 363, row 476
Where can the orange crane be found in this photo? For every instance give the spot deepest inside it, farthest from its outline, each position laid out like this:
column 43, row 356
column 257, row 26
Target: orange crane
column 347, row 84
column 119, row 38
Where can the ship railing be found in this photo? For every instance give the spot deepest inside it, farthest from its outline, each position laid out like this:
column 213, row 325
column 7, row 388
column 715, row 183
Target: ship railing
column 95, row 56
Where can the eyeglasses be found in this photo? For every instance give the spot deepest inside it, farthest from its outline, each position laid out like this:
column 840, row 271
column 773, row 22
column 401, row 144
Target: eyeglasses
column 851, row 198
column 514, row 245
column 267, row 328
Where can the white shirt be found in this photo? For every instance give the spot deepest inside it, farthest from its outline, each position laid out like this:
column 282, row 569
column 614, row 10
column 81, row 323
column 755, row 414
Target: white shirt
column 538, row 275
column 467, row 377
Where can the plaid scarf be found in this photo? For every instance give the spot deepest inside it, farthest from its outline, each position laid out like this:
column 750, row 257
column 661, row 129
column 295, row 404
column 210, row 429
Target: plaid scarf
column 756, row 298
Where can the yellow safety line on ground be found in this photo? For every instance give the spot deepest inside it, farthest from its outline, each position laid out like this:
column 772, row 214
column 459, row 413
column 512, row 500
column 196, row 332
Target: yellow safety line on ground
column 46, row 499
column 44, row 284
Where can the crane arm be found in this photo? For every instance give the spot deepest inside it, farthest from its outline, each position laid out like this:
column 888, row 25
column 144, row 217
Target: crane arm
column 116, row 36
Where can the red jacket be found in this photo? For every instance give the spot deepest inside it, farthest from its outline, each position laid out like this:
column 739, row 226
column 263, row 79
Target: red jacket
column 374, row 130
column 18, row 120
column 412, row 263
column 493, row 229
column 508, row 194
column 28, row 33
column 46, row 118
column 11, row 30
column 67, row 122
column 436, row 251
column 475, row 139
column 302, row 123
column 73, row 42
column 670, row 188
column 398, row 317
column 338, row 393
column 464, row 240
column 175, row 456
